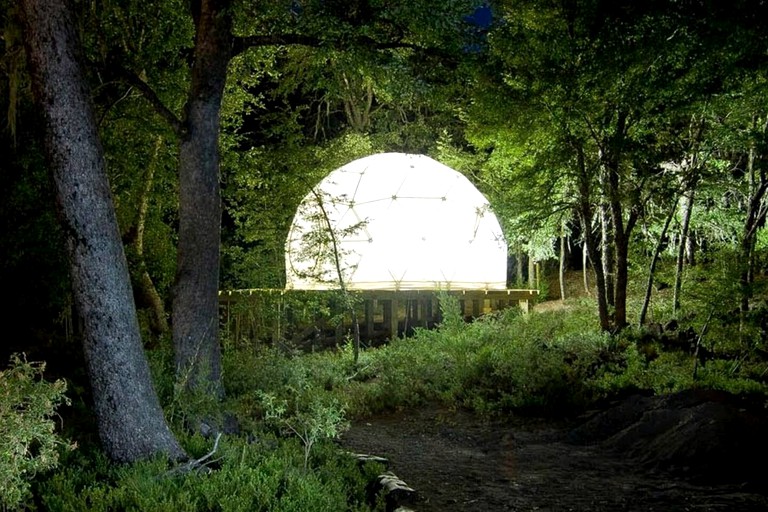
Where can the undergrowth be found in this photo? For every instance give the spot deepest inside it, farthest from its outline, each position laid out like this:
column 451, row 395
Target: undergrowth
column 290, row 407
column 552, row 363
column 263, row 474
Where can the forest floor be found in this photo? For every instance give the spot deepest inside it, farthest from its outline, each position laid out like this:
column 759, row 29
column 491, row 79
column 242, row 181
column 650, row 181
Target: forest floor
column 689, row 451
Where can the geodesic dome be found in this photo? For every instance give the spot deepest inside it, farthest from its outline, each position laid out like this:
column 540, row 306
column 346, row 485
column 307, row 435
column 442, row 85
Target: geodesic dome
column 396, row 222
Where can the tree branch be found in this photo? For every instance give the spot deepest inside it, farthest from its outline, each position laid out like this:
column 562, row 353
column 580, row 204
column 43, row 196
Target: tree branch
column 240, row 44
column 197, row 464
column 149, row 94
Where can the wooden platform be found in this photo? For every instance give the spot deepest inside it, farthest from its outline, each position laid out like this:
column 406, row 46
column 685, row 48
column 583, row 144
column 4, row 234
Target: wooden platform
column 382, row 314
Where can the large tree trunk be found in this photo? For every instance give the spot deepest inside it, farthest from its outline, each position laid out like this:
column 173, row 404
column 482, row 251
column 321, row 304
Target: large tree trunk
column 585, row 216
column 130, row 421
column 607, row 240
column 621, row 234
column 195, row 304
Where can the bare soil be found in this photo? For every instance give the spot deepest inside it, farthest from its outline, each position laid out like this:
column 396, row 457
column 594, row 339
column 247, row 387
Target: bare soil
column 689, row 451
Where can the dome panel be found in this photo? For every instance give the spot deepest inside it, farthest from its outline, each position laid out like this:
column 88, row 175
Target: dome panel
column 399, row 221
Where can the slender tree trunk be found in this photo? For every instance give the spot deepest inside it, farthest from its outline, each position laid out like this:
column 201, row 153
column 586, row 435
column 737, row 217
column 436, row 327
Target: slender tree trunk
column 531, row 272
column 586, row 216
column 145, row 287
column 606, row 253
column 561, row 273
column 131, row 423
column 346, row 296
column 519, row 266
column 687, row 206
column 690, row 250
column 745, row 254
column 756, row 213
column 652, row 265
column 357, row 99
column 584, row 270
column 195, row 303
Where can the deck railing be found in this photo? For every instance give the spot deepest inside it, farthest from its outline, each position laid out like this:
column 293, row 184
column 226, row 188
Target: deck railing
column 297, row 315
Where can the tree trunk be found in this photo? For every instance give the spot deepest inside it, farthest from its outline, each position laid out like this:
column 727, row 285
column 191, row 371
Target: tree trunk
column 130, row 421
column 349, row 302
column 654, row 260
column 195, row 303
column 606, row 253
column 756, row 213
column 688, row 199
column 145, row 290
column 561, row 273
column 531, row 272
column 620, row 232
column 606, row 230
column 621, row 253
column 584, row 269
column 585, row 216
column 690, row 250
column 594, row 256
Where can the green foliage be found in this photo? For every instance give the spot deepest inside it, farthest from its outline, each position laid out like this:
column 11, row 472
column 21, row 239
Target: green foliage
column 266, row 381
column 27, row 429
column 185, row 407
column 308, row 418
column 263, row 474
column 290, row 406
column 498, row 363
column 553, row 362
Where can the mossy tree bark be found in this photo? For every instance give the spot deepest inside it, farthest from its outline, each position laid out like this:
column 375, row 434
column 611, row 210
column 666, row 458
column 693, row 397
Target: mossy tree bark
column 144, row 288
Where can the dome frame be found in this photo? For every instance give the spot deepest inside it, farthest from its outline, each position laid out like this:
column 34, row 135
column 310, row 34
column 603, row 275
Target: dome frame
column 395, row 221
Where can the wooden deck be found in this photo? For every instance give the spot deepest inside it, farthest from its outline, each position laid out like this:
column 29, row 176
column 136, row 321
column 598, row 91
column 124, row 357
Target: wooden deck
column 382, row 314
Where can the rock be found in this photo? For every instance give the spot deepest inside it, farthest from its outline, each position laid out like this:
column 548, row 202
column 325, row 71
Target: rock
column 397, row 494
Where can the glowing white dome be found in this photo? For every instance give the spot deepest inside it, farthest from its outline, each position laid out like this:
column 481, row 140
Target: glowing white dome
column 399, row 222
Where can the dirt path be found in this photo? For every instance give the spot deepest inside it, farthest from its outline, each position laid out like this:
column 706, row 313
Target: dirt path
column 458, row 462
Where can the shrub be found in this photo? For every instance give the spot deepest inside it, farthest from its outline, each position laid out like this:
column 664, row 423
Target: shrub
column 30, row 444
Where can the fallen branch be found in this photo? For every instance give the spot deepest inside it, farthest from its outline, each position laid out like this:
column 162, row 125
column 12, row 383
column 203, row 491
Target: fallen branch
column 198, row 464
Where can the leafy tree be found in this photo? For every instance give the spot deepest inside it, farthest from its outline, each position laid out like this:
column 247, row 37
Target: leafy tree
column 402, row 25
column 595, row 93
